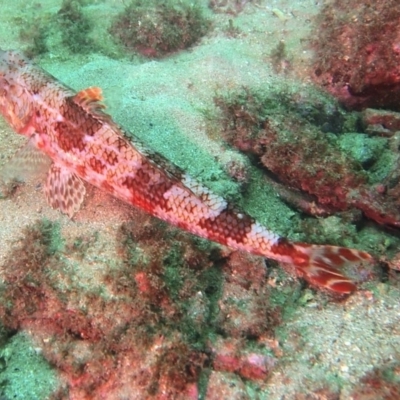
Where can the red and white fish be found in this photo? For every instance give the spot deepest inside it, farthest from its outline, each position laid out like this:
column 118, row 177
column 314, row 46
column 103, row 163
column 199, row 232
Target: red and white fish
column 84, row 144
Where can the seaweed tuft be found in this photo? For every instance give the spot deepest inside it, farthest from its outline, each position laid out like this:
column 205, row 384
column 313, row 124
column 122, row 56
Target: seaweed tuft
column 156, row 29
column 75, row 26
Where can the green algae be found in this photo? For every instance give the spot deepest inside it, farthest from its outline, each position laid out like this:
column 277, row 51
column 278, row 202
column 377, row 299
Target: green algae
column 49, row 234
column 371, row 152
column 200, row 311
column 73, row 29
column 75, row 26
column 24, row 373
column 172, row 275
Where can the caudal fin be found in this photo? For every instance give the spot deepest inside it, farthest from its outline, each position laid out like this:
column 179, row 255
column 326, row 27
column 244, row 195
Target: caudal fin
column 324, row 262
column 320, row 264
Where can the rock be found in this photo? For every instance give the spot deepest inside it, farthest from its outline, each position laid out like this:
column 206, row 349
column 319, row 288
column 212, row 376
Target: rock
column 357, row 50
column 380, row 121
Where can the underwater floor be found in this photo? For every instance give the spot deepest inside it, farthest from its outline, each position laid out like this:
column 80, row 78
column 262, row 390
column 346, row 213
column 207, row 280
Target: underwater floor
column 114, row 304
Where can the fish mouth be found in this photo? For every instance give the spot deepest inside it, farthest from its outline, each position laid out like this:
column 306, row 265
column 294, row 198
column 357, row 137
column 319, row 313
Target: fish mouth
column 12, row 58
column 3, row 55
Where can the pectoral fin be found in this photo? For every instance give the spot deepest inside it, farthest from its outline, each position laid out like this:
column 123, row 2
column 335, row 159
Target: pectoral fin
column 64, row 190
column 27, row 164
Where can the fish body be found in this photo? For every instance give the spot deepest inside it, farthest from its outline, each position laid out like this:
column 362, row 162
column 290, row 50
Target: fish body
column 84, row 144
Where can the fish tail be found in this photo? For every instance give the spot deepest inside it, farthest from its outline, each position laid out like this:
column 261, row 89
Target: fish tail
column 320, row 264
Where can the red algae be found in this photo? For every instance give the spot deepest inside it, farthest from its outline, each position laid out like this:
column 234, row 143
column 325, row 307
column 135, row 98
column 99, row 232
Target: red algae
column 90, row 348
column 229, row 356
column 149, row 330
column 357, row 52
column 381, row 383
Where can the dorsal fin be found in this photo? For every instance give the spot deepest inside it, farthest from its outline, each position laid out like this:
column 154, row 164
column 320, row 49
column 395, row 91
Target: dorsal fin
column 89, row 99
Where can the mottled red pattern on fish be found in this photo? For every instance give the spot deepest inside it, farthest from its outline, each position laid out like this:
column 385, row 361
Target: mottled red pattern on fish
column 84, row 143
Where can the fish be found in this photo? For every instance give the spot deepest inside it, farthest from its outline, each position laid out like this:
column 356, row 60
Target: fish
column 70, row 134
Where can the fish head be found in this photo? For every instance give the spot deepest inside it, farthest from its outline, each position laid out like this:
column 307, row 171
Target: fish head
column 15, row 104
